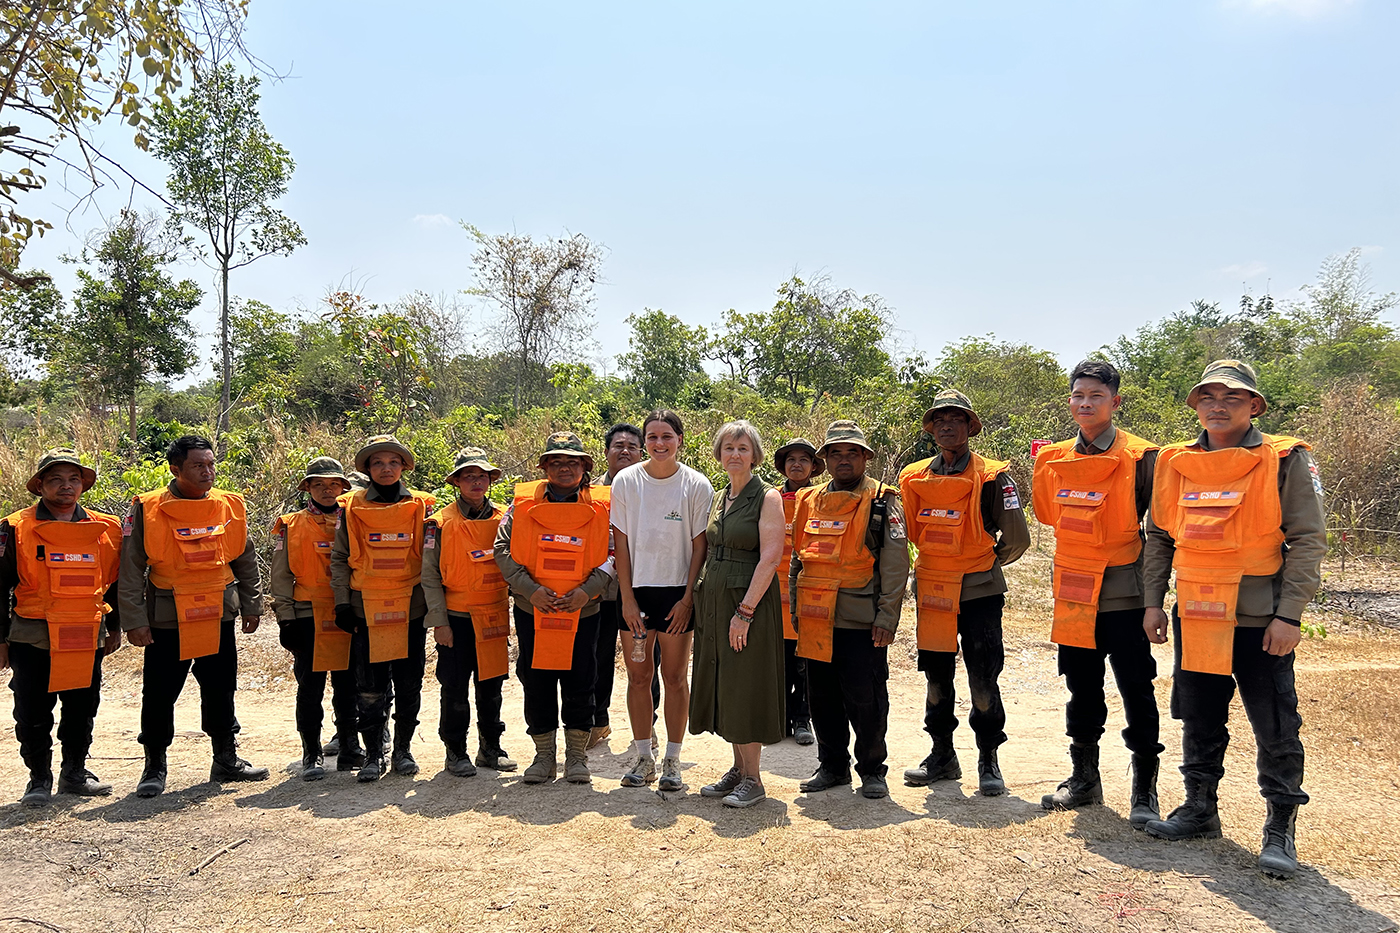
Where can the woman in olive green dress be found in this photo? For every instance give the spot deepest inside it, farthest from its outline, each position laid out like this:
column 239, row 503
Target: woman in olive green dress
column 737, row 679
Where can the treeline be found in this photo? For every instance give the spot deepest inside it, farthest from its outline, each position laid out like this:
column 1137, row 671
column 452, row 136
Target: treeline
column 505, row 363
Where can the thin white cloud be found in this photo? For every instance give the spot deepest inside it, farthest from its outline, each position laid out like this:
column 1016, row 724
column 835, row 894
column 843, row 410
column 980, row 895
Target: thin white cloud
column 1243, row 270
column 1372, row 250
column 1303, row 8
column 428, row 221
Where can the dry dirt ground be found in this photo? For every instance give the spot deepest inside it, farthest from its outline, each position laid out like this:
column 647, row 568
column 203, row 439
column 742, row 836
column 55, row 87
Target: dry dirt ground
column 443, row 853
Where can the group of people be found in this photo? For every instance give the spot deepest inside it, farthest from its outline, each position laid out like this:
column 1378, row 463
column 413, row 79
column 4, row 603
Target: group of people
column 763, row 612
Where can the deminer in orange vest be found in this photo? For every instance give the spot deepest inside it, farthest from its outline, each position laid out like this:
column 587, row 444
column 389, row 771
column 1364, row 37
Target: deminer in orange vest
column 304, row 603
column 798, row 462
column 966, row 522
column 849, row 569
column 1094, row 490
column 60, row 562
column 376, row 572
column 188, row 571
column 469, row 613
column 552, row 549
column 1237, row 515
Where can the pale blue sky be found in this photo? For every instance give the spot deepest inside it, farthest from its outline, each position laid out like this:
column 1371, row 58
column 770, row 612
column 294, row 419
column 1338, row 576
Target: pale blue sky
column 1057, row 173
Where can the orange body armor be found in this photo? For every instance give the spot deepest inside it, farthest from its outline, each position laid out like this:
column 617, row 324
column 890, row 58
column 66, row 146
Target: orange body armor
column 945, row 525
column 1222, row 509
column 559, row 543
column 310, row 537
column 189, row 546
column 828, row 535
column 789, row 510
column 1091, row 500
column 66, row 586
column 473, row 584
column 386, row 563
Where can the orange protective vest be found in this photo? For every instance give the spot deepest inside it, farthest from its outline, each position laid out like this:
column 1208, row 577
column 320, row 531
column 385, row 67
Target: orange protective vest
column 473, row 584
column 559, row 543
column 1091, row 500
column 65, row 587
column 386, row 563
column 189, row 546
column 828, row 533
column 789, row 510
column 310, row 537
column 1222, row 509
column 945, row 525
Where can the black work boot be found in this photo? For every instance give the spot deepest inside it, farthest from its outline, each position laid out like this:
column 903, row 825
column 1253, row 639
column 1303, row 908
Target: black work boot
column 989, row 780
column 1279, row 857
column 1197, row 818
column 1083, row 786
column 152, row 780
column 375, row 756
column 824, row 780
column 75, row 778
column 350, row 757
column 332, row 748
column 489, row 754
column 40, row 787
column 1144, row 799
column 313, row 761
column 402, row 758
column 227, row 766
column 458, row 762
column 941, row 765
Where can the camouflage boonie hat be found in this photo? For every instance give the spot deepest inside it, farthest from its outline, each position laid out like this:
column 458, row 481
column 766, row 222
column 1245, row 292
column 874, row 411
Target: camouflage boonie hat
column 358, row 480
column 378, row 443
column 473, row 457
column 1233, row 374
column 55, row 457
column 566, row 443
column 844, row 432
column 952, row 398
column 324, row 468
column 798, row 443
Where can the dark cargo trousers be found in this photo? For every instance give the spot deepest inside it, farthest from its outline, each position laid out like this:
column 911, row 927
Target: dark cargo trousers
column 34, row 706
column 456, row 669
column 552, row 695
column 1121, row 641
column 311, row 685
column 163, row 678
column 399, row 681
column 979, row 632
column 851, row 693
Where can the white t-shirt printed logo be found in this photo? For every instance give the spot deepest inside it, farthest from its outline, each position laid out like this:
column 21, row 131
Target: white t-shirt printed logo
column 673, row 516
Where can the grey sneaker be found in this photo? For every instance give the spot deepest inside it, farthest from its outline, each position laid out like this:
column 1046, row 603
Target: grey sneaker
column 724, row 786
column 670, row 775
column 748, row 793
column 642, row 772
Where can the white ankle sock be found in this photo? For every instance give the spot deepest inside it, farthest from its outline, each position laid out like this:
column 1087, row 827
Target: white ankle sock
column 673, row 750
column 642, row 747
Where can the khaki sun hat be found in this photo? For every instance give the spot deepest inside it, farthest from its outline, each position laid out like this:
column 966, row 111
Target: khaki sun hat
column 952, row 398
column 473, row 457
column 358, row 480
column 55, row 457
column 324, row 468
column 844, row 432
column 798, row 443
column 566, row 443
column 382, row 442
column 1233, row 374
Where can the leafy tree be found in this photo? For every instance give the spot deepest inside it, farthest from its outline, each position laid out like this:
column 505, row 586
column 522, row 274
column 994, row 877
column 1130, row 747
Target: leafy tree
column 394, row 382
column 130, row 321
column 543, row 293
column 66, row 66
column 225, row 172
column 815, row 341
column 664, row 356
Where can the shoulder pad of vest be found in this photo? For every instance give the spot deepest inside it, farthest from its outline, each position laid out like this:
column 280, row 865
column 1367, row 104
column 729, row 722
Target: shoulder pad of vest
column 1283, row 444
column 600, row 493
column 918, row 466
column 992, row 467
column 527, row 490
column 21, row 515
column 1137, row 446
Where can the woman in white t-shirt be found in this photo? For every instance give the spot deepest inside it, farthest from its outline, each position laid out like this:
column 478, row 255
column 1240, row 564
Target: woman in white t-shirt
column 660, row 508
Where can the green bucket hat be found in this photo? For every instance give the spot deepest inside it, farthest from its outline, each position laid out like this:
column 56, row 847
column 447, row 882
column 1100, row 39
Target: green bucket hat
column 952, row 398
column 798, row 443
column 382, row 442
column 55, row 457
column 844, row 432
column 567, row 444
column 1233, row 374
column 324, row 468
column 358, row 480
column 473, row 457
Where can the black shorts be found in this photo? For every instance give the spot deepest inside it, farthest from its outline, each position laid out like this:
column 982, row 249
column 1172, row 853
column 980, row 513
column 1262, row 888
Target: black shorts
column 656, row 602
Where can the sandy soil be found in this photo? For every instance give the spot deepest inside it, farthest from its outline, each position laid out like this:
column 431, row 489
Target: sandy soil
column 444, row 853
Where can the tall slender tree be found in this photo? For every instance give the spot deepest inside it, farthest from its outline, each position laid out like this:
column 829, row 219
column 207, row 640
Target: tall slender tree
column 225, row 172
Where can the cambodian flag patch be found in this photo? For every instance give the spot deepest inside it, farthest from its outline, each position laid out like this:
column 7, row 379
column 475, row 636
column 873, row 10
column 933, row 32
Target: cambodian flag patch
column 480, row 554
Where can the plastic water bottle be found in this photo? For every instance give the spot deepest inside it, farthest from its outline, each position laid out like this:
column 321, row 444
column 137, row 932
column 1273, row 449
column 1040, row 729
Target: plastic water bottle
column 639, row 644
